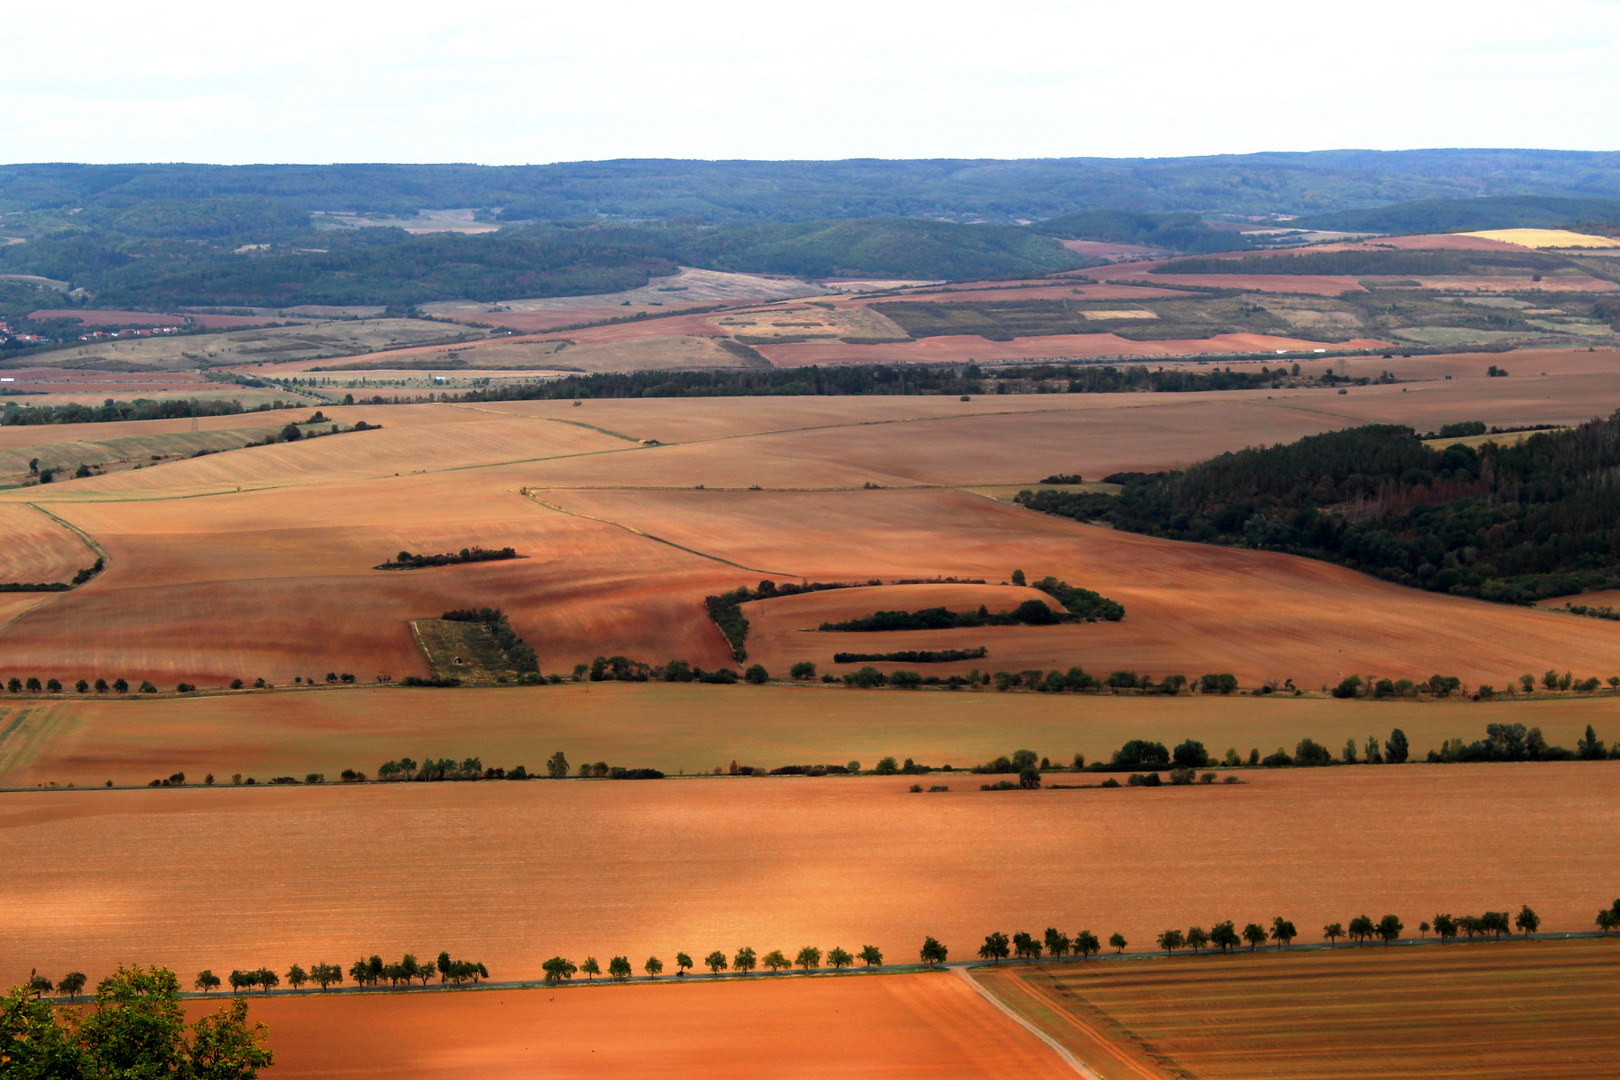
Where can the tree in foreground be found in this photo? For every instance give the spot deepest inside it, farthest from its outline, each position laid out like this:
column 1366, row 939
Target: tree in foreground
column 775, row 961
column 1526, row 920
column 683, row 964
column 872, row 956
column 1254, row 934
column 1224, row 936
column 591, row 968
column 1389, row 928
column 996, row 948
column 932, row 951
column 557, row 969
column 838, row 959
column 715, row 962
column 1333, row 931
column 1282, row 931
column 654, row 967
column 206, row 982
column 809, row 958
column 745, row 960
column 1171, row 940
column 137, row 1030
column 1117, row 942
column 619, row 968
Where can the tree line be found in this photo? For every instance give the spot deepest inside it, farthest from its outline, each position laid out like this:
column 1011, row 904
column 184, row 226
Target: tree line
column 405, row 560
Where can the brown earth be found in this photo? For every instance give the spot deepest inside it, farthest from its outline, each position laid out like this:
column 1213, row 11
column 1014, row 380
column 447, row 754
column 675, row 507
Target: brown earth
column 513, row 873
column 923, row 1025
column 959, row 348
column 1532, row 1008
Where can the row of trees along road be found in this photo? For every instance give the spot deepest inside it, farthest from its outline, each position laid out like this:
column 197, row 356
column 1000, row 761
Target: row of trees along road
column 363, row 972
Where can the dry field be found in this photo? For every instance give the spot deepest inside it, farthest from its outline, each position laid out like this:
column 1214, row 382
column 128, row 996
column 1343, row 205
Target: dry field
column 258, row 561
column 961, row 348
column 899, row 1026
column 513, row 873
column 38, row 549
column 691, row 728
column 1531, row 1011
column 1548, row 238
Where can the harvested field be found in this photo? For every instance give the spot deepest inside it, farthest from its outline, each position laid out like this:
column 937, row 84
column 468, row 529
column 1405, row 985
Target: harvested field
column 645, row 868
column 960, row 348
column 925, row 1025
column 37, row 548
column 1533, row 1011
column 693, row 728
column 1548, row 238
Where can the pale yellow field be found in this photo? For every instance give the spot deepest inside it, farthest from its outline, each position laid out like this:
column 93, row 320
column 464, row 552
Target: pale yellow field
column 1548, row 238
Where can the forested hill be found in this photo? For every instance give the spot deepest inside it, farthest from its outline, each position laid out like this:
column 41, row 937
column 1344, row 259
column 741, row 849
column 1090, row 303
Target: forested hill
column 1507, row 523
column 960, row 189
column 1457, row 215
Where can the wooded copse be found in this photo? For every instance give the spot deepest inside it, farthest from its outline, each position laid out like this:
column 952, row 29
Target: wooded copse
column 1513, row 524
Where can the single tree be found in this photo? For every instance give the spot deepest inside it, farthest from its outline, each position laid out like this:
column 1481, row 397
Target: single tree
column 1389, row 928
column 654, row 967
column 996, row 948
column 1333, row 931
column 297, row 977
column 1026, row 947
column 619, row 968
column 268, row 979
column 683, row 963
column 932, row 951
column 715, row 962
column 871, row 956
column 1197, row 938
column 557, row 969
column 1087, row 945
column 1396, row 750
column 1607, row 920
column 1527, row 920
column 557, row 766
column 591, row 968
column 1171, row 940
column 71, row 984
column 1361, row 928
column 39, row 984
column 838, row 959
column 1224, row 936
column 1254, row 934
column 1057, row 944
column 745, row 960
column 775, row 961
column 206, row 982
column 1117, row 942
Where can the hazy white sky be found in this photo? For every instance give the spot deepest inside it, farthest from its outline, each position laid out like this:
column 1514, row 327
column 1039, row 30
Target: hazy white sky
column 503, row 83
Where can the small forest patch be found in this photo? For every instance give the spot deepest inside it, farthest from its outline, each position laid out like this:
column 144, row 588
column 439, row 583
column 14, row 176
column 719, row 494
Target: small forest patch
column 407, row 561
column 475, row 645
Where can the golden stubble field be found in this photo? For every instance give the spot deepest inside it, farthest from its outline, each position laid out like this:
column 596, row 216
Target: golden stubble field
column 258, row 562
column 1501, row 1009
column 512, row 873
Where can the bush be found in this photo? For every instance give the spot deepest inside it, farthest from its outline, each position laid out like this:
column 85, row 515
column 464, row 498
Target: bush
column 804, row 669
column 147, row 686
column 1141, row 780
column 1218, row 684
column 1311, row 753
column 1278, row 760
column 1191, row 755
column 1139, row 752
column 756, row 674
column 1348, row 688
column 887, row 767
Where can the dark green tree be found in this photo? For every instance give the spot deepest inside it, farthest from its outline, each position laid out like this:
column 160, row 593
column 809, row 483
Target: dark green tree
column 1224, row 936
column 654, row 967
column 682, row 963
column 1254, row 934
column 1087, row 945
column 1333, row 931
column 1396, row 750
column 557, row 969
column 1389, row 928
column 996, row 948
column 745, row 960
column 1117, row 942
column 809, row 958
column 591, row 968
column 619, row 968
column 932, row 951
column 1171, row 940
column 838, row 959
column 715, row 962
column 1527, row 920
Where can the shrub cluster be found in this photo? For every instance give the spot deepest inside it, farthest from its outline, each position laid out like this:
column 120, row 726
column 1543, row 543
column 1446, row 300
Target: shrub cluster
column 83, row 575
column 519, row 656
column 407, row 561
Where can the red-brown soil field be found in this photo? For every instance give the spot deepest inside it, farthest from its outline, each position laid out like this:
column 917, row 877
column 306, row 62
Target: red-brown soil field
column 923, row 1025
column 512, row 873
column 958, row 348
column 258, row 562
column 1522, row 1010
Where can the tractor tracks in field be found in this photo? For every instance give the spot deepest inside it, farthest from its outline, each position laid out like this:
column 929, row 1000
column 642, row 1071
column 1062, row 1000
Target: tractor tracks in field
column 534, row 497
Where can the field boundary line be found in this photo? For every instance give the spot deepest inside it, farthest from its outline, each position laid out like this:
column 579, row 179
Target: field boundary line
column 89, row 541
column 1029, row 1025
column 532, row 497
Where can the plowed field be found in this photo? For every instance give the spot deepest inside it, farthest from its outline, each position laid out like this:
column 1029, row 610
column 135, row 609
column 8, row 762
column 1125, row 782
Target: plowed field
column 900, row 1026
column 512, row 873
column 1498, row 1010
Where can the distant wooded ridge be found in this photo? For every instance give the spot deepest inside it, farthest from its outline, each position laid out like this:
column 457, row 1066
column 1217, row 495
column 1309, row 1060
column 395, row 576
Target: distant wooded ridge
column 994, row 190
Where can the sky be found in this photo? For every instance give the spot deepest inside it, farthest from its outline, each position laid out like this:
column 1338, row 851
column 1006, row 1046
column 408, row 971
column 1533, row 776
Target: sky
column 515, row 83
